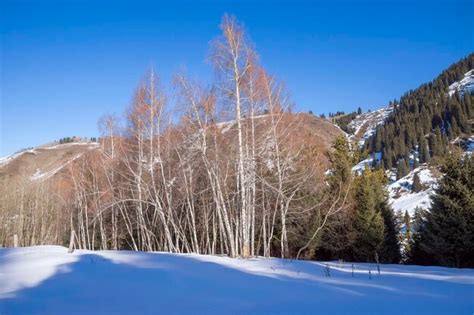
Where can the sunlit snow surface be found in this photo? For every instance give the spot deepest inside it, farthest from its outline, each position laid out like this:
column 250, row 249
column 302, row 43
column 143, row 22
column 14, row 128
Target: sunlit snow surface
column 466, row 84
column 401, row 196
column 48, row 280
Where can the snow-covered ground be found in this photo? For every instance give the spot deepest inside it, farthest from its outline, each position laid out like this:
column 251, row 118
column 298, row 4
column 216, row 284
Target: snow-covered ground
column 48, row 280
column 364, row 125
column 470, row 145
column 466, row 84
column 369, row 162
column 362, row 165
column 404, row 199
column 400, row 193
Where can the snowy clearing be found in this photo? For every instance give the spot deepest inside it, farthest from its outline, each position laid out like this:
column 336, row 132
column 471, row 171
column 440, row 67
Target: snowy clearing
column 401, row 196
column 466, row 84
column 47, row 280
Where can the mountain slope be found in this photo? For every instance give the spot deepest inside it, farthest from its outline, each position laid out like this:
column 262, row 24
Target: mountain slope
column 426, row 119
column 408, row 136
column 465, row 85
column 401, row 194
column 364, row 125
column 43, row 162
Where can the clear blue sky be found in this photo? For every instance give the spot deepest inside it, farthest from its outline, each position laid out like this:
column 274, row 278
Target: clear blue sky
column 65, row 63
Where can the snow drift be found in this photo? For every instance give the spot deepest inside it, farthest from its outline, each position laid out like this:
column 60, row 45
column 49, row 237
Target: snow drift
column 47, row 280
column 401, row 196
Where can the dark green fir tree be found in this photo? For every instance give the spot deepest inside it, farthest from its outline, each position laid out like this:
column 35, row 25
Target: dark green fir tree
column 447, row 231
column 417, row 186
column 368, row 222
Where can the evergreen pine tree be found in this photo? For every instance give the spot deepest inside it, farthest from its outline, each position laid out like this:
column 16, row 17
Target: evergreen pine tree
column 454, row 128
column 434, row 145
column 368, row 222
column 423, row 150
column 416, row 254
column 402, row 168
column 416, row 163
column 448, row 232
column 390, row 249
column 341, row 160
column 336, row 237
column 406, row 236
column 416, row 186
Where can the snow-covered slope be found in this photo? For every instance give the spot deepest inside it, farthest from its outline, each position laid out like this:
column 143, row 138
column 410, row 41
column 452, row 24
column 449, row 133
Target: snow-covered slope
column 404, row 199
column 466, row 84
column 7, row 159
column 401, row 196
column 42, row 163
column 47, row 280
column 362, row 165
column 364, row 125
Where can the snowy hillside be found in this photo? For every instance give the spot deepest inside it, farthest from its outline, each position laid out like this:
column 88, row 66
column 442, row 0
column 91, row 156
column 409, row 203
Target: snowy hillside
column 404, row 199
column 466, row 84
column 364, row 125
column 4, row 160
column 401, row 196
column 400, row 191
column 47, row 280
column 43, row 162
